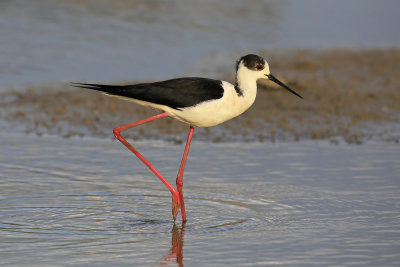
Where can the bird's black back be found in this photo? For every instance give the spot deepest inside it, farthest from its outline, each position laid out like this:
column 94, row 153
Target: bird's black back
column 175, row 93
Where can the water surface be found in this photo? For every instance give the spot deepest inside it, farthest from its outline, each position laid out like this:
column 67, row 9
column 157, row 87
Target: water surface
column 86, row 201
column 46, row 40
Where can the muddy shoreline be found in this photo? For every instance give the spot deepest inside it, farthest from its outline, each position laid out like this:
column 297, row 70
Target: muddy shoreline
column 349, row 95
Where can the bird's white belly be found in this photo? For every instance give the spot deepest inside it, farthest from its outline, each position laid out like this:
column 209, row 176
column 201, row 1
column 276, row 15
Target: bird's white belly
column 211, row 113
column 206, row 114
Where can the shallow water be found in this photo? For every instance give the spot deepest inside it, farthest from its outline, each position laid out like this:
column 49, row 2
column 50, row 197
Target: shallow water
column 86, row 201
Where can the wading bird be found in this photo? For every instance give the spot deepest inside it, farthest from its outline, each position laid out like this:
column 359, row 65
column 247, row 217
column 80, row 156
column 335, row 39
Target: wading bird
column 199, row 102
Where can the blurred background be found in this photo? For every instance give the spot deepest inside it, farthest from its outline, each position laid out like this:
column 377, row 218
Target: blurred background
column 105, row 40
column 334, row 52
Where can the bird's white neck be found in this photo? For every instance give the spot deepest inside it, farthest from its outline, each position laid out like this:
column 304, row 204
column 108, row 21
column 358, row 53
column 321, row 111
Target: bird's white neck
column 246, row 84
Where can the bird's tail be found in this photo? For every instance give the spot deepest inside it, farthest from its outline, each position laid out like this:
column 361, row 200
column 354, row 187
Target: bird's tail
column 108, row 89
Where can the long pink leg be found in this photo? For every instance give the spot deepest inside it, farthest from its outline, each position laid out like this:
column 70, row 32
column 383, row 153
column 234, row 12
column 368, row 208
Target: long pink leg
column 174, row 192
column 179, row 182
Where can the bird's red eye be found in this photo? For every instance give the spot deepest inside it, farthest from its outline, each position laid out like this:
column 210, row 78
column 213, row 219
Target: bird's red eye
column 259, row 67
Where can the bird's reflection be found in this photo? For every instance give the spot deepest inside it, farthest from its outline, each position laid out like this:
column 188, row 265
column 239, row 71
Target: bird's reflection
column 176, row 251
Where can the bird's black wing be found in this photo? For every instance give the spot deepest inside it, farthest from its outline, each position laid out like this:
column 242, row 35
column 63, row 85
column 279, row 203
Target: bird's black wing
column 175, row 93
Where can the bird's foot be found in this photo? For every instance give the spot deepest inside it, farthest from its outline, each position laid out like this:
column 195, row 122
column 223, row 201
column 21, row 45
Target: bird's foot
column 175, row 205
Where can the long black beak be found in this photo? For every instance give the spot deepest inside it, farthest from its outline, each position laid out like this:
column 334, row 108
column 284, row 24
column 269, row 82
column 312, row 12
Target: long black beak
column 275, row 80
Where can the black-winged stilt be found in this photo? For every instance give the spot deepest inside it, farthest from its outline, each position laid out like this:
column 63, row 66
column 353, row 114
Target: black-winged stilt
column 196, row 101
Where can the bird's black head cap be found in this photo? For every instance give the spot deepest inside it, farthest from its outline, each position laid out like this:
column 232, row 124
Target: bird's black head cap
column 250, row 61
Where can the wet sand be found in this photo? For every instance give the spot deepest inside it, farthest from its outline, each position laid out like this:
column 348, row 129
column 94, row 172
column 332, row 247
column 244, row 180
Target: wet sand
column 349, row 94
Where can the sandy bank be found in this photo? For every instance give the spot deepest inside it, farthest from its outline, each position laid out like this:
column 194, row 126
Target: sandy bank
column 352, row 95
